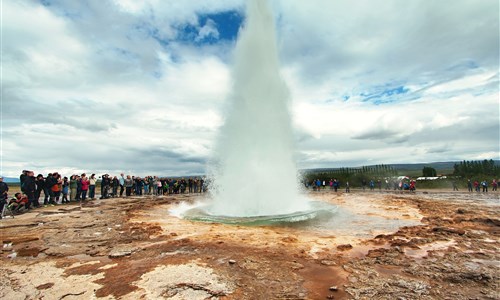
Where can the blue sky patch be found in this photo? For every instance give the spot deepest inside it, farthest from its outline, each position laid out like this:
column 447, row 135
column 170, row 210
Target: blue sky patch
column 226, row 23
column 384, row 94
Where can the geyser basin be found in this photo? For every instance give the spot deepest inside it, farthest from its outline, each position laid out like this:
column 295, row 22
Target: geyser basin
column 316, row 209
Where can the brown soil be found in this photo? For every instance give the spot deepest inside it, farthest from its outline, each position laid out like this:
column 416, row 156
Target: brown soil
column 134, row 249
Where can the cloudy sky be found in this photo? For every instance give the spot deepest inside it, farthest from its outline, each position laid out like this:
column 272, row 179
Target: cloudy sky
column 141, row 86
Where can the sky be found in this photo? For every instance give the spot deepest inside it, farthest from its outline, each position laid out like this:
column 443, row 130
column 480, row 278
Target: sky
column 140, row 87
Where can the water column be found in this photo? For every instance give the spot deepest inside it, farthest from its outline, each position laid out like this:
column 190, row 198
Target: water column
column 254, row 171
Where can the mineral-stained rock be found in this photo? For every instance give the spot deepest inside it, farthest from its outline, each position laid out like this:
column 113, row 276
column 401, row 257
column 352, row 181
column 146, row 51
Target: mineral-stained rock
column 448, row 229
column 344, row 247
column 328, row 262
column 119, row 253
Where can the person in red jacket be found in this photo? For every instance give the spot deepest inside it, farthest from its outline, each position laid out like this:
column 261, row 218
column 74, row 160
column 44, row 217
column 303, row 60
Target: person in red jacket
column 18, row 201
column 85, row 186
column 476, row 186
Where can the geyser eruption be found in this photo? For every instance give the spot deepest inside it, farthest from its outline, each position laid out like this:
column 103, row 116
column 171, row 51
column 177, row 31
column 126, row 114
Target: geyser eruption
column 255, row 172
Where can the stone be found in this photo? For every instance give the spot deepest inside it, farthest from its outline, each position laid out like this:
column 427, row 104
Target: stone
column 119, row 253
column 334, row 288
column 344, row 247
column 449, row 230
column 232, row 261
column 328, row 263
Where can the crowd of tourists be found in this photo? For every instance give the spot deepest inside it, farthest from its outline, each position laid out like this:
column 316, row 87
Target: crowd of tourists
column 478, row 186
column 58, row 189
column 335, row 184
column 405, row 184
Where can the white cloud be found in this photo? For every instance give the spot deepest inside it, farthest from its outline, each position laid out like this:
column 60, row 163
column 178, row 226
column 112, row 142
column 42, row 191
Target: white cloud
column 209, row 30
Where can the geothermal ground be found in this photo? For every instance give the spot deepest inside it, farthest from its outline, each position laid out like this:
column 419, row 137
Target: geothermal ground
column 428, row 245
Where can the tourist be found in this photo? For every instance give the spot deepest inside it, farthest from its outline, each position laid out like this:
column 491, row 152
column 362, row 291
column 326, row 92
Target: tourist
column 203, row 187
column 4, row 190
column 40, row 186
column 168, row 186
column 476, row 186
column 195, row 185
column 183, row 185
column 129, row 184
column 122, row 184
column 335, row 184
column 50, row 181
column 469, row 185
column 85, row 186
column 318, row 184
column 412, row 186
column 29, row 188
column 22, row 178
column 65, row 190
column 73, row 187
column 139, row 184
column 372, row 185
column 146, row 185
column 78, row 188
column 151, row 185
column 347, row 187
column 57, row 187
column 105, row 186
column 92, row 183
column 190, row 185
column 484, row 185
column 455, row 187
column 159, row 187
column 494, row 185
column 115, row 183
column 46, row 191
column 18, row 201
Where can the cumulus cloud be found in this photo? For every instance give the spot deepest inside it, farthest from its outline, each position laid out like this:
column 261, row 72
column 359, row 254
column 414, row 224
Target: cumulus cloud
column 140, row 86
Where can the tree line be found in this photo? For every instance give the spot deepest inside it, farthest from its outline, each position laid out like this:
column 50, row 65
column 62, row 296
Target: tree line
column 353, row 175
column 473, row 168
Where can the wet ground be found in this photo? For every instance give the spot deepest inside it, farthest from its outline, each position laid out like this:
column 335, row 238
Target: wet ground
column 428, row 245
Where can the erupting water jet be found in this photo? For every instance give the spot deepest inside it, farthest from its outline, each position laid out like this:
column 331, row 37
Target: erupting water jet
column 254, row 172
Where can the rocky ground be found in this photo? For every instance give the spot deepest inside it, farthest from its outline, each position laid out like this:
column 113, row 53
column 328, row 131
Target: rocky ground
column 428, row 245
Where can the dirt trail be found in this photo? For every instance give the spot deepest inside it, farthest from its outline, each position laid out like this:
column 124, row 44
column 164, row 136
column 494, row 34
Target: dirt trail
column 388, row 246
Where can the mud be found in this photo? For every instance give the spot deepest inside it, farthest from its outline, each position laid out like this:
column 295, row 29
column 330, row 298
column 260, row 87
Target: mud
column 428, row 245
